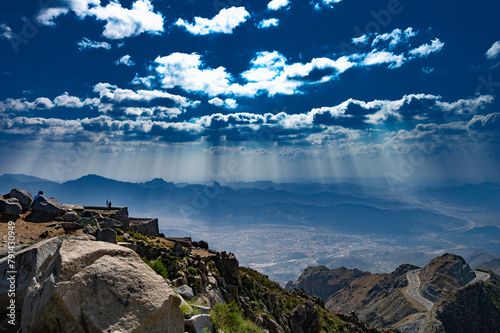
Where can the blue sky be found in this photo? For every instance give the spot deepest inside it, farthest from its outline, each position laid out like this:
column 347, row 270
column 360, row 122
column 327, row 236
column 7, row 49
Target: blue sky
column 238, row 90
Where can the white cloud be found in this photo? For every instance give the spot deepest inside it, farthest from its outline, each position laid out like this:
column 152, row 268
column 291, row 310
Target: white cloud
column 383, row 57
column 494, row 51
column 216, row 101
column 120, row 22
column 6, row 32
column 327, row 3
column 86, row 43
column 125, row 60
column 224, row 22
column 229, row 103
column 47, row 16
column 277, row 4
column 361, row 40
column 67, row 101
column 272, row 22
column 146, row 81
column 426, row 49
column 186, row 71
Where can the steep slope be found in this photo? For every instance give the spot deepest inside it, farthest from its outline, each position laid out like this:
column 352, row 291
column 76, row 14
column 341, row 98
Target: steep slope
column 376, row 298
column 443, row 275
column 322, row 282
column 474, row 308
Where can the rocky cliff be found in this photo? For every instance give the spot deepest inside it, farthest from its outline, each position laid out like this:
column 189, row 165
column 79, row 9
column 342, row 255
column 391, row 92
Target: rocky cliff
column 474, row 308
column 443, row 275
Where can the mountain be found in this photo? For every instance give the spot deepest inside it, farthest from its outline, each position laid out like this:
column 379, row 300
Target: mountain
column 466, row 301
column 473, row 308
column 443, row 275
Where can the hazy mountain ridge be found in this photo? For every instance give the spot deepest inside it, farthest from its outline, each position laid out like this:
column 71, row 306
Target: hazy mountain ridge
column 342, row 206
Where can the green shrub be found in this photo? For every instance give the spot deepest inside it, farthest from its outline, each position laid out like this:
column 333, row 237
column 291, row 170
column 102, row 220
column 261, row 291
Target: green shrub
column 119, row 231
column 157, row 266
column 192, row 271
column 120, row 238
column 228, row 318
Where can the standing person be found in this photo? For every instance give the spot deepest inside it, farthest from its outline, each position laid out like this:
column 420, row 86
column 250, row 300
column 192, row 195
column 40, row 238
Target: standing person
column 107, row 202
column 109, row 205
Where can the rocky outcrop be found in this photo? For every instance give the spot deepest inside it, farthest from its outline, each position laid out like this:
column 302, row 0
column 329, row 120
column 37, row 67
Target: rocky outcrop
column 24, row 198
column 473, row 308
column 10, row 206
column 72, row 285
column 304, row 319
column 107, row 235
column 45, row 210
column 323, row 282
column 443, row 275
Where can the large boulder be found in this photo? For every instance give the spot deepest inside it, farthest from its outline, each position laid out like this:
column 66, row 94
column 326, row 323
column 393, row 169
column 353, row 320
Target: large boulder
column 107, row 235
column 70, row 217
column 199, row 324
column 24, row 198
column 74, row 285
column 49, row 206
column 10, row 206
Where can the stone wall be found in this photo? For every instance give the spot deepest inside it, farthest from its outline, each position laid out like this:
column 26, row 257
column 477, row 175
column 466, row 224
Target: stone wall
column 145, row 226
column 117, row 213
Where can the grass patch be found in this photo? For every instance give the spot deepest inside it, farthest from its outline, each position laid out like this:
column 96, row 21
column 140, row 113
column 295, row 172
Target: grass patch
column 157, row 266
column 228, row 318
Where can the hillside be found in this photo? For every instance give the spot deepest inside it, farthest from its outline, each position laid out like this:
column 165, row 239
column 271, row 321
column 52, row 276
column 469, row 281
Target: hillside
column 443, row 275
column 384, row 300
column 474, row 308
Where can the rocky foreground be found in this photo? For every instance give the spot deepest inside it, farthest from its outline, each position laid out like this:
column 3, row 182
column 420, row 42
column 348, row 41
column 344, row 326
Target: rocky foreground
column 81, row 270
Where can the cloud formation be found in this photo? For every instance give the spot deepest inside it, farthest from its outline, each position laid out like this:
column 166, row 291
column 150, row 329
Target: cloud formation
column 125, row 60
column 266, row 23
column 494, row 51
column 224, row 22
column 86, row 43
column 120, row 22
column 277, row 4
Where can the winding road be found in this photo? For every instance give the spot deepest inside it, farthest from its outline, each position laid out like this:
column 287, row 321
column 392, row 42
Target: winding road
column 413, row 289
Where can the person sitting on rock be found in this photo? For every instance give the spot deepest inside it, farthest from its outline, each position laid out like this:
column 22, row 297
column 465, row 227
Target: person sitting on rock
column 40, row 193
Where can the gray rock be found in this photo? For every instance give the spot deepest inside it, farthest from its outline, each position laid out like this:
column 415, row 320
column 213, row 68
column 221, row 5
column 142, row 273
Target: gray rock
column 69, row 285
column 185, row 291
column 203, row 245
column 69, row 207
column 87, row 220
column 10, row 206
column 131, row 246
column 24, row 198
column 90, row 229
column 199, row 324
column 71, row 226
column 107, row 235
column 49, row 206
column 111, row 223
column 202, row 309
column 70, row 217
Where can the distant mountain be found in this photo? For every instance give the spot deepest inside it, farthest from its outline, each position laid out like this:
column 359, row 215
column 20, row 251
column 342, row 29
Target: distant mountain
column 485, row 195
column 347, row 208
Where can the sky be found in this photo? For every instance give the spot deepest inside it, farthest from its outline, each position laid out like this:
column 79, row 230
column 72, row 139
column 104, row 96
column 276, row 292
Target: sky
column 233, row 90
